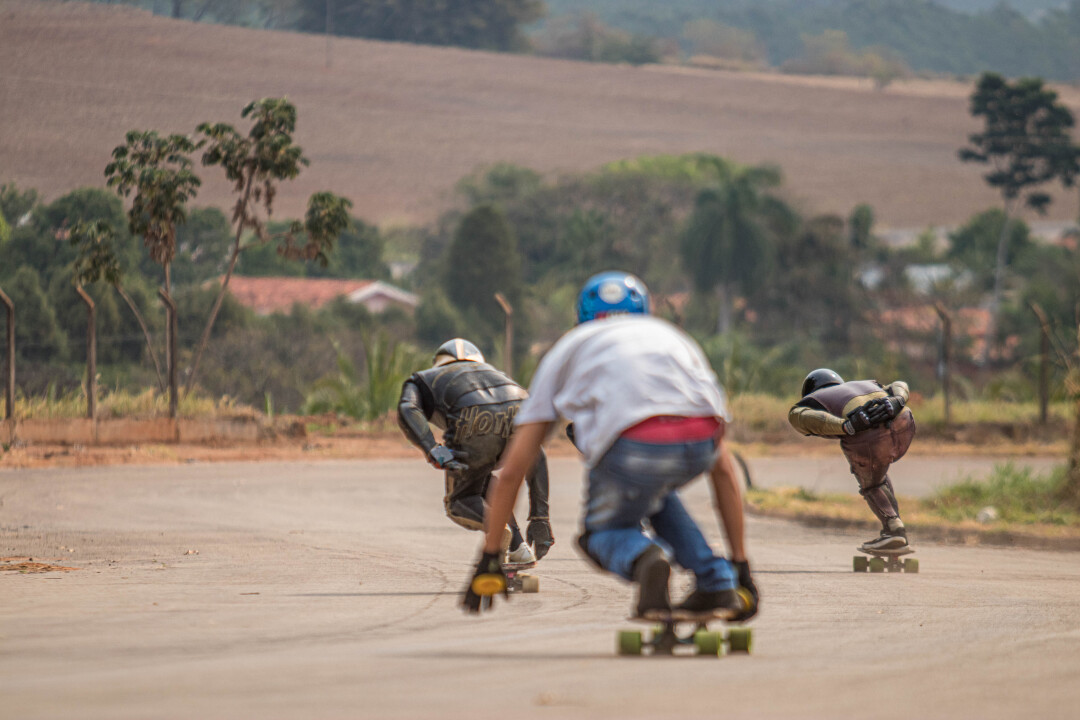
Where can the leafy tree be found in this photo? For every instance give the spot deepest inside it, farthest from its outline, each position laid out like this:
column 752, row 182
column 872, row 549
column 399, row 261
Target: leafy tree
column 97, row 260
column 481, row 24
column 5, row 231
column 725, row 244
column 38, row 337
column 387, row 365
column 484, row 261
column 15, row 204
column 1026, row 142
column 584, row 37
column 255, row 164
column 71, row 318
column 202, row 247
column 42, row 242
column 973, row 246
column 708, row 37
column 861, row 228
column 158, row 171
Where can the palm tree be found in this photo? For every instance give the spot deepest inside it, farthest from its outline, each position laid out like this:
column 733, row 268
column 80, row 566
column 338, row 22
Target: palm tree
column 726, row 242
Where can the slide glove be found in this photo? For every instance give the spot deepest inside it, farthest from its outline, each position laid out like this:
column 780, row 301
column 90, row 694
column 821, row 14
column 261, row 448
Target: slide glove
column 488, row 580
column 538, row 534
column 747, row 582
column 856, row 422
column 444, row 458
column 883, row 410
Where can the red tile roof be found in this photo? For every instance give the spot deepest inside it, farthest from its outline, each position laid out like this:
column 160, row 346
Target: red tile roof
column 266, row 295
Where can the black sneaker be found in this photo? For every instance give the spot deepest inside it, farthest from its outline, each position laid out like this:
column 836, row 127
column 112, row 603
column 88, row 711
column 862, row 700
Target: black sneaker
column 704, row 601
column 888, row 540
column 651, row 573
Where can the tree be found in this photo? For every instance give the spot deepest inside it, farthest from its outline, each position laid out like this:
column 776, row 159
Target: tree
column 1025, row 140
column 15, row 204
column 255, row 164
column 97, row 260
column 486, row 262
column 38, row 337
column 158, row 170
column 481, row 24
column 725, row 242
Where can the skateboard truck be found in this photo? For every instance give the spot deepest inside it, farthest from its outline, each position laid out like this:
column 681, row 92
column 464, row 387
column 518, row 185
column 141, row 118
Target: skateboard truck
column 517, row 581
column 665, row 638
column 882, row 560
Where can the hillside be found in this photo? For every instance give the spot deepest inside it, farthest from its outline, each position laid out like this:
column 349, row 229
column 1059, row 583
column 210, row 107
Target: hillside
column 394, row 126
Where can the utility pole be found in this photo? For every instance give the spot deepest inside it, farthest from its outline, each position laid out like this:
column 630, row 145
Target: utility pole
column 508, row 339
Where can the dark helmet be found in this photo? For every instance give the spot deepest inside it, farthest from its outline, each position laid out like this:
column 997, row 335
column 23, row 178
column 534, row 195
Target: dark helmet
column 820, row 378
column 455, row 350
column 612, row 293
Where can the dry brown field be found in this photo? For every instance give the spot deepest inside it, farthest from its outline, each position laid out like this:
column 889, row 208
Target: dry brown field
column 394, row 126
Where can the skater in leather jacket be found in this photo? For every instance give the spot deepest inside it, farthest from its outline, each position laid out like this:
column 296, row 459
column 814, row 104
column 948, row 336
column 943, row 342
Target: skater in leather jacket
column 474, row 404
column 875, row 429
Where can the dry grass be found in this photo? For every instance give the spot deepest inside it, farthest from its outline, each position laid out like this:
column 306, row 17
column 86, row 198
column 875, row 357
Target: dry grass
column 394, row 126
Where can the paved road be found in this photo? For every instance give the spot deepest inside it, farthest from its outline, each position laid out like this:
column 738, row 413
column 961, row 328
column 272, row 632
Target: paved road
column 329, row 591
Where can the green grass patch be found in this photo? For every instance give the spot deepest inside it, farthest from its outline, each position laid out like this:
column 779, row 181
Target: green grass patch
column 1018, row 495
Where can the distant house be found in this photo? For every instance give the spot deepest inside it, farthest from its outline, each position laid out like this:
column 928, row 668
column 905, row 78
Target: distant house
column 915, row 332
column 266, row 295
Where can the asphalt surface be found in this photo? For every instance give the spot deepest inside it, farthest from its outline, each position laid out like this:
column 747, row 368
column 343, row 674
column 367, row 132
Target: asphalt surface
column 330, row 590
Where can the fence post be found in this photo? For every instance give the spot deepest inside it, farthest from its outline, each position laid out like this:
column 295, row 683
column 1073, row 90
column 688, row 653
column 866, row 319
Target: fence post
column 170, row 350
column 1044, row 362
column 91, row 352
column 9, row 384
column 946, row 351
column 508, row 340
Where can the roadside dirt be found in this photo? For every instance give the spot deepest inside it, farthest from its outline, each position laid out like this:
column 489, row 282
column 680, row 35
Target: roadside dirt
column 390, row 444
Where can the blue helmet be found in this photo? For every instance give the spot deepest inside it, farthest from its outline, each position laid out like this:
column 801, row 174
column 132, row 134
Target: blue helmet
column 612, row 293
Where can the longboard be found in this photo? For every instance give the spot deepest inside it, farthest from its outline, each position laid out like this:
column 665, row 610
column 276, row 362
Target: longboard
column 882, row 560
column 665, row 638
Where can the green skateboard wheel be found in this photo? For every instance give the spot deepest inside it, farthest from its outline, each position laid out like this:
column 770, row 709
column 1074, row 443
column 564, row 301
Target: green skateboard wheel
column 877, row 564
column 741, row 639
column 861, row 563
column 911, row 565
column 629, row 642
column 709, row 642
column 530, row 583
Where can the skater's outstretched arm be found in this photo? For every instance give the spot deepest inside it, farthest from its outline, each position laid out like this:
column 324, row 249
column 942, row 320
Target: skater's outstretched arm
column 521, row 453
column 727, row 494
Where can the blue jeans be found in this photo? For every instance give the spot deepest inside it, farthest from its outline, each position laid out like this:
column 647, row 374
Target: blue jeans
column 635, row 482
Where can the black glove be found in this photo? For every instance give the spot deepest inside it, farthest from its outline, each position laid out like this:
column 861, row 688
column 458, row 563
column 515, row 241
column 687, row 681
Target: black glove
column 743, row 568
column 856, row 422
column 570, row 433
column 488, row 580
column 539, row 536
column 883, row 410
column 444, row 458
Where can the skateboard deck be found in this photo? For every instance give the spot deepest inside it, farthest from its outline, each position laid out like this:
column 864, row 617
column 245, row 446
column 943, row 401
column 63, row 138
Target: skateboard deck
column 517, row 581
column 665, row 638
column 882, row 560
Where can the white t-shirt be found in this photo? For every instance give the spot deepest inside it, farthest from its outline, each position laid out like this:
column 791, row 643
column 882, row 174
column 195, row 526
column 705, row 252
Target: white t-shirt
column 608, row 375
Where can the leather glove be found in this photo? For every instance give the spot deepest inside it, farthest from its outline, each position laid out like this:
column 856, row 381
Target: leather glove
column 444, row 458
column 856, row 422
column 488, row 580
column 538, row 534
column 746, row 581
column 883, row 410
